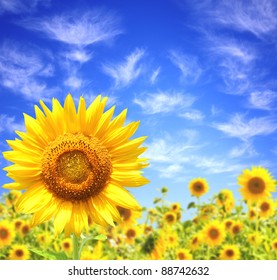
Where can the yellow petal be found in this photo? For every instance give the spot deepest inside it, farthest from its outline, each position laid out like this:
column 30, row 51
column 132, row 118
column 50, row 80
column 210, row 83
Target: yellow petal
column 63, row 216
column 70, row 115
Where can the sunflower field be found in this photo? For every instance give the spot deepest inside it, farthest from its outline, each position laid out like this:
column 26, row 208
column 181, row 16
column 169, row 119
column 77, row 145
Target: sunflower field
column 69, row 197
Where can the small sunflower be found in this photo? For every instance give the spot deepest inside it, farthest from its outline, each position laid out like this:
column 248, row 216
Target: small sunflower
column 19, row 252
column 198, row 187
column 266, row 208
column 75, row 164
column 153, row 247
column 67, row 245
column 129, row 217
column 254, row 239
column 131, row 234
column 252, row 214
column 213, row 233
column 25, row 228
column 172, row 239
column 228, row 224
column 183, row 254
column 195, row 242
column 7, row 233
column 226, row 200
column 95, row 254
column 170, row 218
column 17, row 224
column 257, row 184
column 175, row 207
column 44, row 239
column 230, row 252
column 236, row 228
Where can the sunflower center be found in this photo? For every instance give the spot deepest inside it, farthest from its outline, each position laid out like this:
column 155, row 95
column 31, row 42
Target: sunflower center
column 195, row 240
column 264, row 207
column 198, row 187
column 3, row 233
column 124, row 213
column 169, row 218
column 275, row 245
column 214, row 233
column 181, row 256
column 236, row 229
column 19, row 253
column 76, row 167
column 256, row 185
column 131, row 233
column 230, row 253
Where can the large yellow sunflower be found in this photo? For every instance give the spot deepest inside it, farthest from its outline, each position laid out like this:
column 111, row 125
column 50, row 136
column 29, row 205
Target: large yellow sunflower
column 256, row 184
column 198, row 187
column 75, row 165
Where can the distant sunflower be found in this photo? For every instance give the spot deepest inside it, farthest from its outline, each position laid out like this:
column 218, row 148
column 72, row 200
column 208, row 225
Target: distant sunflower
column 274, row 244
column 198, row 187
column 226, row 200
column 131, row 234
column 229, row 252
column 213, row 233
column 19, row 252
column 254, row 239
column 25, row 228
column 236, row 228
column 172, row 239
column 129, row 217
column 252, row 214
column 7, row 233
column 266, row 208
column 175, row 207
column 183, row 254
column 170, row 218
column 67, row 245
column 257, row 184
column 195, row 242
column 153, row 247
column 76, row 164
column 228, row 224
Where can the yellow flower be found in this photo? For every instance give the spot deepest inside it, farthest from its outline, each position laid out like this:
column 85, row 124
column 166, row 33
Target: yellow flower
column 229, row 252
column 171, row 239
column 131, row 234
column 175, row 207
column 19, row 252
column 252, row 214
column 266, row 208
column 129, row 217
column 213, row 233
column 25, row 228
column 7, row 233
column 254, row 239
column 195, row 242
column 67, row 245
column 17, row 224
column 228, row 224
column 236, row 228
column 75, row 164
column 154, row 247
column 44, row 238
column 170, row 218
column 257, row 184
column 95, row 254
column 183, row 254
column 198, row 187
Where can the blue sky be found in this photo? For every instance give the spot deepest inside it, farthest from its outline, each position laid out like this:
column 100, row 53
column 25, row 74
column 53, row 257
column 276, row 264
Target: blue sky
column 200, row 75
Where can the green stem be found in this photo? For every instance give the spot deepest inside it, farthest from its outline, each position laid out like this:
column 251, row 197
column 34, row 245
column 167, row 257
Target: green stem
column 75, row 240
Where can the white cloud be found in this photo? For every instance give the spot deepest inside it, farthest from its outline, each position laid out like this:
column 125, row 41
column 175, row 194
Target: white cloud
column 77, row 29
column 255, row 16
column 20, row 6
column 245, row 129
column 193, row 115
column 264, row 100
column 127, row 71
column 155, row 75
column 21, row 70
column 9, row 124
column 188, row 65
column 78, row 55
column 171, row 171
column 245, row 148
column 164, row 102
column 73, row 82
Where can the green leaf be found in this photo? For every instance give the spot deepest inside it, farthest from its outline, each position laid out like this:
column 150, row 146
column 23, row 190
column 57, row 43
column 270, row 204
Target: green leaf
column 191, row 205
column 50, row 255
column 101, row 237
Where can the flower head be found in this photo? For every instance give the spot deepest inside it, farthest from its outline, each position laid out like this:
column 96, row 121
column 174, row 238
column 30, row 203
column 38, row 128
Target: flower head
column 75, row 164
column 198, row 187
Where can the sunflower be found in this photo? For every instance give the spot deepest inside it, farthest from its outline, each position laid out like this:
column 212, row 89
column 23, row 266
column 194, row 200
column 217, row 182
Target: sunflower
column 171, row 239
column 226, row 200
column 129, row 217
column 213, row 233
column 198, row 187
column 12, row 197
column 252, row 214
column 95, row 254
column 266, row 208
column 67, row 245
column 229, row 252
column 228, row 224
column 236, row 228
column 76, row 164
column 257, row 184
column 7, row 233
column 25, row 228
column 19, row 252
column 131, row 234
column 254, row 239
column 44, row 239
column 195, row 242
column 175, row 207
column 153, row 247
column 183, row 254
column 170, row 217
column 17, row 224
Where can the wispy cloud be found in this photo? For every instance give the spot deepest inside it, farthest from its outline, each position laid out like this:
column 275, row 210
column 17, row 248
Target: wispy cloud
column 77, row 29
column 127, row 71
column 255, row 16
column 193, row 115
column 244, row 149
column 21, row 70
column 263, row 100
column 188, row 65
column 244, row 129
column 164, row 102
column 8, row 123
column 78, row 55
column 19, row 6
column 155, row 75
